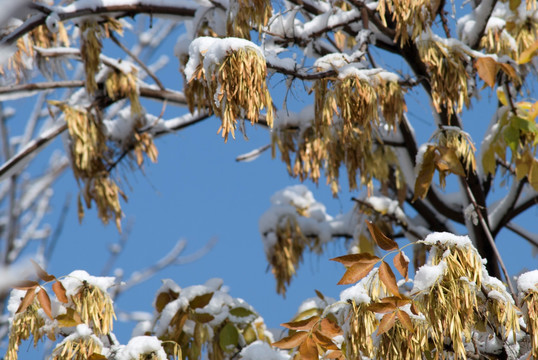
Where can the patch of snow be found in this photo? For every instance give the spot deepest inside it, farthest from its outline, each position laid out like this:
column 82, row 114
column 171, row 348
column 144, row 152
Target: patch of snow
column 141, row 345
column 427, row 275
column 75, row 279
column 260, row 350
column 528, row 282
column 448, row 239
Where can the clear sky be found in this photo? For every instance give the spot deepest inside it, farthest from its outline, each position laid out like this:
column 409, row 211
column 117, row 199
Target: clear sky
column 197, row 191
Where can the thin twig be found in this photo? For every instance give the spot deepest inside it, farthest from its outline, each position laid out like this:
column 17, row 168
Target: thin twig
column 138, row 61
column 531, row 238
column 490, row 239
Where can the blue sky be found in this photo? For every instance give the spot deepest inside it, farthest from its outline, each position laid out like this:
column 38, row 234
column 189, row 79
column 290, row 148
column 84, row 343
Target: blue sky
column 197, row 191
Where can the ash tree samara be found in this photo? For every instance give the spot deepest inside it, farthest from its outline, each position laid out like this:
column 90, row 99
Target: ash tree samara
column 450, row 299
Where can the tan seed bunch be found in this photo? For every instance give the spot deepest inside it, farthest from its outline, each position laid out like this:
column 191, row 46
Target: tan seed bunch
column 417, row 15
column 448, row 75
column 501, row 309
column 362, row 324
column 399, row 342
column 80, row 348
column 40, row 37
column 95, row 308
column 460, row 142
column 24, row 324
column 90, row 47
column 287, row 252
column 119, row 85
column 497, row 41
column 246, row 15
column 89, row 151
column 234, row 89
column 530, row 309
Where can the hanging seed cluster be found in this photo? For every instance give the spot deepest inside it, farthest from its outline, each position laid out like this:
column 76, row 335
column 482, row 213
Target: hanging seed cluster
column 530, row 311
column 404, row 342
column 233, row 89
column 95, row 308
column 41, row 37
column 448, row 75
column 348, row 111
column 246, row 15
column 287, row 252
column 24, row 325
column 89, row 151
column 411, row 17
column 80, row 348
column 90, row 47
column 119, row 86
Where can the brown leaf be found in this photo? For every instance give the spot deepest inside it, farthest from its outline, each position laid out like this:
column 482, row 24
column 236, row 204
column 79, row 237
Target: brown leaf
column 450, row 161
column 320, row 295
column 414, row 309
column 387, row 277
column 382, row 307
column 401, row 264
column 355, row 273
column 44, row 300
column 96, row 356
column 330, row 328
column 59, row 290
column 305, row 324
column 381, row 239
column 322, row 340
column 43, row 275
column 309, row 350
column 508, row 69
column 292, row 341
column 202, row 318
column 26, row 301
column 351, row 259
column 335, row 354
column 201, row 300
column 387, row 322
column 405, row 320
column 26, row 285
column 487, row 70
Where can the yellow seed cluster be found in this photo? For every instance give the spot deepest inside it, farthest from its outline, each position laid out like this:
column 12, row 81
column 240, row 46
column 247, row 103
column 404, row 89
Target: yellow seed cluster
column 24, row 324
column 81, row 348
column 446, row 66
column 95, row 308
column 287, row 252
column 248, row 14
column 416, row 15
column 89, row 151
column 40, row 37
column 362, row 324
column 530, row 309
column 400, row 343
column 344, row 132
column 90, row 47
column 119, row 86
column 234, row 89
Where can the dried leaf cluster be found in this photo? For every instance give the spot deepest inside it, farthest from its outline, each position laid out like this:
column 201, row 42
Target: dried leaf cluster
column 244, row 15
column 234, row 89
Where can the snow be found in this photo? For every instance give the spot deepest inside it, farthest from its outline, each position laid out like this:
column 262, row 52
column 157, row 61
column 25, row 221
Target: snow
column 94, row 4
column 75, row 279
column 384, row 205
column 141, row 345
column 211, row 51
column 52, row 22
column 260, row 350
column 303, row 119
column 528, row 282
column 448, row 239
column 427, row 275
column 314, row 303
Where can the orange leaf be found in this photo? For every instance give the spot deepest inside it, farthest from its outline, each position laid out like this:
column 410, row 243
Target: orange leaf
column 309, row 350
column 355, row 273
column 44, row 300
column 351, row 259
column 26, row 285
column 425, row 174
column 387, row 322
column 487, row 70
column 382, row 307
column 329, row 328
column 414, row 309
column 59, row 290
column 381, row 239
column 387, row 277
column 305, row 324
column 401, row 264
column 26, row 301
column 292, row 341
column 43, row 275
column 336, row 354
column 405, row 320
column 508, row 69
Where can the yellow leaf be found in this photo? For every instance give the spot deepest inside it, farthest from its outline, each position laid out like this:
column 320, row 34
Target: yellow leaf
column 502, row 96
column 533, row 174
column 487, row 70
column 528, row 53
